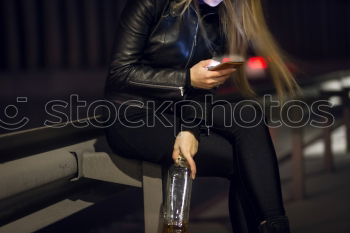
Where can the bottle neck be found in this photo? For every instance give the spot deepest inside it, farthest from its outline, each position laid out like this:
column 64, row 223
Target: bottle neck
column 182, row 162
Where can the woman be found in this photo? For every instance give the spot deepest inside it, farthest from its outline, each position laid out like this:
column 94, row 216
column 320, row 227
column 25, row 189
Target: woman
column 158, row 81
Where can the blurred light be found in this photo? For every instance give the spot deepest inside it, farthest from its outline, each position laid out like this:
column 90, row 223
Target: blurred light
column 333, row 85
column 338, row 146
column 345, row 81
column 230, row 57
column 335, row 100
column 226, row 59
column 257, row 63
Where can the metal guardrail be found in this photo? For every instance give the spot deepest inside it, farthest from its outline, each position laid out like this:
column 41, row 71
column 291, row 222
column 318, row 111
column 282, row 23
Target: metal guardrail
column 36, row 158
column 32, row 141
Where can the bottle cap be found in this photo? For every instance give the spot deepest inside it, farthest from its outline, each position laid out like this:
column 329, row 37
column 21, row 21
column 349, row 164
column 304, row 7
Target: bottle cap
column 182, row 162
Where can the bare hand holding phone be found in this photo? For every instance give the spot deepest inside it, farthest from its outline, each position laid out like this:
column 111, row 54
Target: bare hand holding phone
column 203, row 78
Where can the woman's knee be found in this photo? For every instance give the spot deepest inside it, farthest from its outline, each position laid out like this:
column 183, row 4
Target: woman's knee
column 244, row 114
column 215, row 156
column 248, row 114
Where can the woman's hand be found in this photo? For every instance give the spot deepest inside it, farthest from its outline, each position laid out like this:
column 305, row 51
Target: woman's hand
column 187, row 145
column 201, row 77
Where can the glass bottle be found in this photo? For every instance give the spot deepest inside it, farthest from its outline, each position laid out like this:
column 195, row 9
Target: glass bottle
column 178, row 195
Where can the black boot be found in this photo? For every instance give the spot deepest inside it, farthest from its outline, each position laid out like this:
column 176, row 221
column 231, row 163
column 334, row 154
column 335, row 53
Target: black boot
column 278, row 224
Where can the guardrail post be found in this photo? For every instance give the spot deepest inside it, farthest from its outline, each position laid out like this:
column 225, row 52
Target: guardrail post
column 328, row 154
column 298, row 177
column 328, row 161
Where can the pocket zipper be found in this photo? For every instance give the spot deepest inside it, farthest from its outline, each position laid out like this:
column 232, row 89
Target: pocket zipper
column 158, row 86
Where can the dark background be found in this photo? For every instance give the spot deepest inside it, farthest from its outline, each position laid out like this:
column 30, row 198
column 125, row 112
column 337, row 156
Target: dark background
column 54, row 48
column 67, row 34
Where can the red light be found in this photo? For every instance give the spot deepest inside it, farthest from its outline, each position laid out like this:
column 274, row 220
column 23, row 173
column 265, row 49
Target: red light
column 257, row 63
column 226, row 59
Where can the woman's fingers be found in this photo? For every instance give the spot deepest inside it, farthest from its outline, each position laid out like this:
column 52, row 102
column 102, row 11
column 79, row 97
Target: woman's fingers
column 194, row 149
column 201, row 77
column 217, row 81
column 221, row 79
column 189, row 159
column 176, row 154
column 205, row 63
column 186, row 145
column 215, row 74
column 192, row 164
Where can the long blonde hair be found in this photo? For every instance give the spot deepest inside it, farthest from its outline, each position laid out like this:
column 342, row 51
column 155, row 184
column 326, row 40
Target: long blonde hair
column 243, row 23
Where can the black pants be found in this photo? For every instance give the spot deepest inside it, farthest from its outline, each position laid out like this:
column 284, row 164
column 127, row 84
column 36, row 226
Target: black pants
column 241, row 152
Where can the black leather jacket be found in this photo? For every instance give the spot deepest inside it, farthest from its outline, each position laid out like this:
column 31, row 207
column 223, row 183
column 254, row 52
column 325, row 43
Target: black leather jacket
column 154, row 50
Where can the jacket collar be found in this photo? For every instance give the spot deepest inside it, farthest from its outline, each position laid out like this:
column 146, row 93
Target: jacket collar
column 206, row 8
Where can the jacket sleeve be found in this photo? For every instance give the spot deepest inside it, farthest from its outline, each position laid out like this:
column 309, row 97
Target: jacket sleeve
column 126, row 68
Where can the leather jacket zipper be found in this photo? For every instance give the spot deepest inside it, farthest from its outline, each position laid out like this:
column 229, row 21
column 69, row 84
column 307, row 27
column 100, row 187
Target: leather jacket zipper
column 193, row 45
column 195, row 36
column 158, row 86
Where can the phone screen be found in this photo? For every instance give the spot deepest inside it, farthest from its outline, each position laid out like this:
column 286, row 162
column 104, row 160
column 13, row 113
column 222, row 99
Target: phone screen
column 225, row 65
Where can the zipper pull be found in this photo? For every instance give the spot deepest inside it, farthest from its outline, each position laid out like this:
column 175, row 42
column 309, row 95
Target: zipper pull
column 195, row 36
column 181, row 91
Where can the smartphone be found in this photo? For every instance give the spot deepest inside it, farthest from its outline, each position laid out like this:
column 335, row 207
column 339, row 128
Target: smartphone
column 225, row 65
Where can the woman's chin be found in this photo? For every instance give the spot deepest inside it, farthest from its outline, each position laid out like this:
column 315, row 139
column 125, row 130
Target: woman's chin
column 212, row 3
